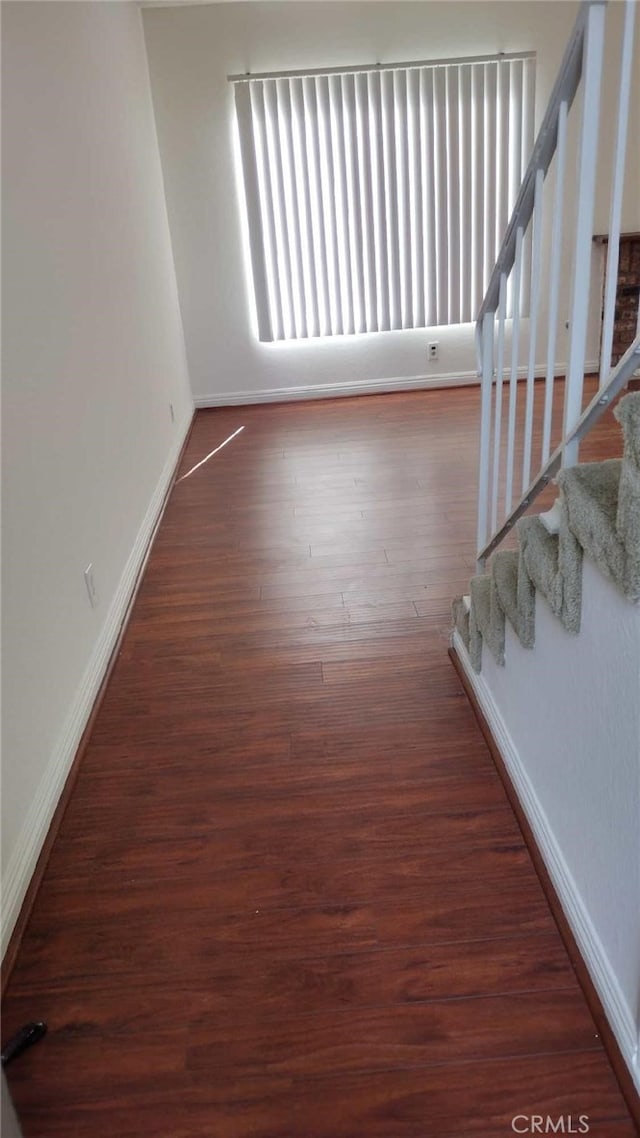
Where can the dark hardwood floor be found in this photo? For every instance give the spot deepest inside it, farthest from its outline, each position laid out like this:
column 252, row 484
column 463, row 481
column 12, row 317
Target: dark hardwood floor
column 289, row 898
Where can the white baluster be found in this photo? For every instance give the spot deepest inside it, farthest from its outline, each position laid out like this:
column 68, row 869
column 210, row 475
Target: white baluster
column 554, row 279
column 497, row 429
column 485, row 428
column 586, row 181
column 513, row 377
column 533, row 326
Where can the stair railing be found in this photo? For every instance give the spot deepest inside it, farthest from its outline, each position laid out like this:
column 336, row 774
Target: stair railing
column 581, row 69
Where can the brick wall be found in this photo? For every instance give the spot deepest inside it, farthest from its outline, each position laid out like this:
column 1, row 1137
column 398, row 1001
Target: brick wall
column 627, row 294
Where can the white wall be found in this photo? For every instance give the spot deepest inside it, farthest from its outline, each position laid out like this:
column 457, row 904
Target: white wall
column 191, row 51
column 567, row 719
column 93, row 354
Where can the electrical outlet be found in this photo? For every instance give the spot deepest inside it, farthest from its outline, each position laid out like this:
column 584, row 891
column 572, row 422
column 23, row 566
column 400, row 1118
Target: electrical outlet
column 89, row 581
column 432, row 350
column 172, row 413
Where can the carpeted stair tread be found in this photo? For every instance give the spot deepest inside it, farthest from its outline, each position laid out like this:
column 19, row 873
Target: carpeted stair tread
column 486, row 619
column 504, row 568
column 627, row 413
column 628, row 518
column 515, row 593
column 460, row 614
column 593, row 486
column 480, row 588
column 540, row 552
column 591, row 496
column 554, row 565
column 480, row 599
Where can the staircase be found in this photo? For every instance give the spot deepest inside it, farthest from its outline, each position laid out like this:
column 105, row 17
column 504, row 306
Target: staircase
column 562, row 710
column 598, row 515
column 598, row 508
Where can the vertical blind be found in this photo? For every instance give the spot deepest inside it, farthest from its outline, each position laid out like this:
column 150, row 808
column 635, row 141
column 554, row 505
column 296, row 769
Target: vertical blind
column 377, row 199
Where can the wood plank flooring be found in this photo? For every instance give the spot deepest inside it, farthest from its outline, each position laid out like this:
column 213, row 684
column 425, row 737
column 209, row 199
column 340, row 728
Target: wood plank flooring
column 289, row 898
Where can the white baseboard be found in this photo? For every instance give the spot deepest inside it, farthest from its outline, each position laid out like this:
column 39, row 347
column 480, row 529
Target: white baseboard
column 361, row 387
column 336, row 390
column 618, row 1013
column 22, row 862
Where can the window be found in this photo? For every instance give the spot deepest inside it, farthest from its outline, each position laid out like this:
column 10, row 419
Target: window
column 377, row 198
